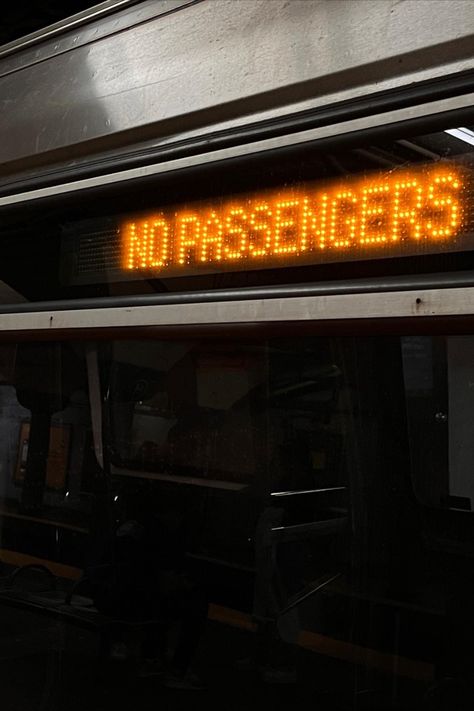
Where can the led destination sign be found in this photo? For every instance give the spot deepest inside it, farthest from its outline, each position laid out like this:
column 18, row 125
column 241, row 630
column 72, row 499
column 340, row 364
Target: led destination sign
column 387, row 214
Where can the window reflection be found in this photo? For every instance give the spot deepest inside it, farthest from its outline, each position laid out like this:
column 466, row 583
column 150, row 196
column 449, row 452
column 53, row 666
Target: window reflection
column 288, row 511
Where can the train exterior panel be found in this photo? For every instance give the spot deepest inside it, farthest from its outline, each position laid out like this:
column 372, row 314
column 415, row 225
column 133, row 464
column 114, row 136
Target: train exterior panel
column 161, row 70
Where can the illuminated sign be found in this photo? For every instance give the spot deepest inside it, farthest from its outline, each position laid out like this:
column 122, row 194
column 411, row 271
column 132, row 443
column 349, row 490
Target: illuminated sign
column 386, row 214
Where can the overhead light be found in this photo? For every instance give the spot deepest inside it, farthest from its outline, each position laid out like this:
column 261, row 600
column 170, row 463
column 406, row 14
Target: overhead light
column 464, row 134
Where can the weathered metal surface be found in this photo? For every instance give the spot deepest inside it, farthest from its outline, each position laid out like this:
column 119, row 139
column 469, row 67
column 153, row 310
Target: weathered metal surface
column 216, row 61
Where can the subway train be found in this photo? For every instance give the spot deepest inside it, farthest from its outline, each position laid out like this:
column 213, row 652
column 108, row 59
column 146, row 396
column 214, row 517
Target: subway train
column 237, row 305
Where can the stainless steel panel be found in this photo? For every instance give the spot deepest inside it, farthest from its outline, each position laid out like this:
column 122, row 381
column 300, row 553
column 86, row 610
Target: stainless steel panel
column 294, row 139
column 87, row 27
column 419, row 303
column 217, row 61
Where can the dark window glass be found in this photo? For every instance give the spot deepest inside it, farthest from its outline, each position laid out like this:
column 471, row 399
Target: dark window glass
column 275, row 518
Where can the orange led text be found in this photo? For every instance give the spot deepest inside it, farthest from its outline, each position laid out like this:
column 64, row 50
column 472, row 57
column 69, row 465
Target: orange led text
column 308, row 224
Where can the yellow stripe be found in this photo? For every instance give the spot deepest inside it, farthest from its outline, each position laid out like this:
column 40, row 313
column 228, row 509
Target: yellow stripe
column 328, row 646
column 234, row 618
column 383, row 661
column 58, row 569
column 35, row 519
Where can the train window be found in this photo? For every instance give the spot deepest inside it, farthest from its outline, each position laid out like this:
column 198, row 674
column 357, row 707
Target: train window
column 286, row 219
column 350, row 209
column 317, row 531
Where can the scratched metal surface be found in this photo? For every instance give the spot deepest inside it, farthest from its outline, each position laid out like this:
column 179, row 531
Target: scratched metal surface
column 156, row 70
